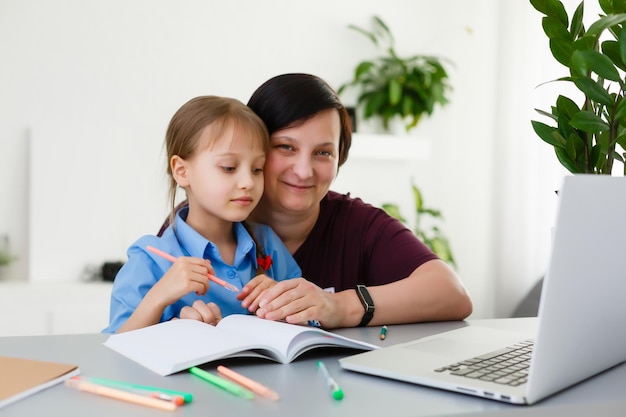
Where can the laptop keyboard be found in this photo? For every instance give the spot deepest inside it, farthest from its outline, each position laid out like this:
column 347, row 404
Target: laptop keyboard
column 508, row 366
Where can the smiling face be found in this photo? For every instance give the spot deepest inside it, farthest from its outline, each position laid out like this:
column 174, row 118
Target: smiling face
column 224, row 177
column 302, row 163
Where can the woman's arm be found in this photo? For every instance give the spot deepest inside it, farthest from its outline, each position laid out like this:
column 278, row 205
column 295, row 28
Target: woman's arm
column 433, row 292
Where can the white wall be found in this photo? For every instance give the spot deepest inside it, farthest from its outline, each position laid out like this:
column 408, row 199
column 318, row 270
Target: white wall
column 88, row 87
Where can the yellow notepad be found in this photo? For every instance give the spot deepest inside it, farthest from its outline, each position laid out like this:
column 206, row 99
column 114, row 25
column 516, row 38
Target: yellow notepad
column 20, row 378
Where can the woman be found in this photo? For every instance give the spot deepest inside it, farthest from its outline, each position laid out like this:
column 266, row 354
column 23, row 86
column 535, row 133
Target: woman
column 362, row 267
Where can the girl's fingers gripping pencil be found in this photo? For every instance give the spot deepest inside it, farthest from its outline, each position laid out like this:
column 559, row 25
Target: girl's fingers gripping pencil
column 213, row 278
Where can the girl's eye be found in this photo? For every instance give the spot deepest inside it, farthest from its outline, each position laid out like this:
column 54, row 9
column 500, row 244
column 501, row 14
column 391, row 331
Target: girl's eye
column 228, row 169
column 257, row 170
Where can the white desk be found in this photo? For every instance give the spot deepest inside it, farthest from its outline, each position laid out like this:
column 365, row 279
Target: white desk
column 302, row 390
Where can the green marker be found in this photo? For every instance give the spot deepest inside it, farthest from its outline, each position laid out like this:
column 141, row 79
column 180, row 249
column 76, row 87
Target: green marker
column 222, row 383
column 335, row 389
column 187, row 397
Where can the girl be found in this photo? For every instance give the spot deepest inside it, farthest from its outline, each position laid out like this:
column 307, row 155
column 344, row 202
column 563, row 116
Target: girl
column 216, row 151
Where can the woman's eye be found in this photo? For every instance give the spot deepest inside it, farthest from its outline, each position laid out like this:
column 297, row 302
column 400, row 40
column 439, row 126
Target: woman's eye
column 285, row 147
column 324, row 153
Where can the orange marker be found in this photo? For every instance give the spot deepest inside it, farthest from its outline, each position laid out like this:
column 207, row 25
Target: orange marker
column 120, row 394
column 248, row 383
column 213, row 278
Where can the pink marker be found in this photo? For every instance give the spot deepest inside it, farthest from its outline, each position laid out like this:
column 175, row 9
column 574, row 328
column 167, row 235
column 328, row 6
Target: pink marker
column 248, row 383
column 213, row 278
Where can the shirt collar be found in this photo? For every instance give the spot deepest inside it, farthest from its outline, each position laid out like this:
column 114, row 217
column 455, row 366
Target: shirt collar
column 194, row 244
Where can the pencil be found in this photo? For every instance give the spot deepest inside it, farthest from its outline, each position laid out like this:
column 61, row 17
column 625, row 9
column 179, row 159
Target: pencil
column 248, row 383
column 120, row 394
column 383, row 333
column 213, row 278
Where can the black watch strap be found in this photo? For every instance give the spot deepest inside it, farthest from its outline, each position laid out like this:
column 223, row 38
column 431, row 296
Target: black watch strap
column 368, row 304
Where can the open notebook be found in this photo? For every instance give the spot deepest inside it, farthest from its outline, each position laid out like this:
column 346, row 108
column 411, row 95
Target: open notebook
column 582, row 314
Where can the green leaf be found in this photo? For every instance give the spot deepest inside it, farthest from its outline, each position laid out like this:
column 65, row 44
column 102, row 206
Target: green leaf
column 621, row 140
column 574, row 146
column 561, row 50
column 605, row 22
column 585, row 43
column 620, row 110
column 588, row 122
column 622, row 45
column 606, row 6
column 554, row 29
column 362, row 69
column 365, row 33
column 546, row 133
column 417, row 197
column 394, row 211
column 619, row 6
column 611, row 49
column 566, row 161
column 441, row 248
column 395, row 91
column 593, row 90
column 407, row 105
column 553, row 8
column 374, row 103
column 602, row 65
column 383, row 29
column 566, row 106
column 595, row 155
column 577, row 28
column 545, row 113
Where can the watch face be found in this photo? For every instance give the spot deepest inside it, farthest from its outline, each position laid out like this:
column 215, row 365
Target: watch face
column 365, row 297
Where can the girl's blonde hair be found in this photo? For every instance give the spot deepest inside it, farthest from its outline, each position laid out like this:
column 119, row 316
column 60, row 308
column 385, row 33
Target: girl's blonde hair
column 183, row 133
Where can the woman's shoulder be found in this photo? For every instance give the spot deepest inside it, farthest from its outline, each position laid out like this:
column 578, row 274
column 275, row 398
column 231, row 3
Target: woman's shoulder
column 345, row 201
column 338, row 204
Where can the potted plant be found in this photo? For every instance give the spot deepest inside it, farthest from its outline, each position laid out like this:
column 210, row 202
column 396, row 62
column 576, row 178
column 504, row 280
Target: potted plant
column 432, row 236
column 6, row 257
column 391, row 86
column 588, row 136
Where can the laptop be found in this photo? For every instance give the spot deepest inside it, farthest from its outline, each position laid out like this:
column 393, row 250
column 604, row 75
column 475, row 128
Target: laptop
column 581, row 319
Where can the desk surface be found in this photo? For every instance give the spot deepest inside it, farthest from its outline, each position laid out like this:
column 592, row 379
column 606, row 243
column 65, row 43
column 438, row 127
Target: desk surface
column 303, row 391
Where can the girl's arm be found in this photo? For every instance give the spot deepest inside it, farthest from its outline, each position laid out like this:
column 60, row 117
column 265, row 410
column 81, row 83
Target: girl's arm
column 186, row 275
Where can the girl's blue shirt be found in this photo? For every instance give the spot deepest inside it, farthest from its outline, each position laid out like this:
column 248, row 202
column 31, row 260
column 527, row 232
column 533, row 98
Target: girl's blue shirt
column 144, row 269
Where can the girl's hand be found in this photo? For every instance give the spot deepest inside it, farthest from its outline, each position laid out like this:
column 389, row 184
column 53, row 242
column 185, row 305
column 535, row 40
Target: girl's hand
column 298, row 301
column 206, row 312
column 252, row 292
column 186, row 275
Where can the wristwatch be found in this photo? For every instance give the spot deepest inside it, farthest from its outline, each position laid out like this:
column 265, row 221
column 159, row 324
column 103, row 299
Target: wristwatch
column 368, row 304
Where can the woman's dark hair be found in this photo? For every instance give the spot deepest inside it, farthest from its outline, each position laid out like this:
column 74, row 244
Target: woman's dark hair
column 288, row 100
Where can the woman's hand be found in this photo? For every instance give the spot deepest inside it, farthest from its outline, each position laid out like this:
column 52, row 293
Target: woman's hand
column 298, row 301
column 252, row 292
column 206, row 312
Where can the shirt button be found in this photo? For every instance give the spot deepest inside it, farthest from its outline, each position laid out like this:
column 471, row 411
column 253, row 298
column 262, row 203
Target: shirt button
column 232, row 274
